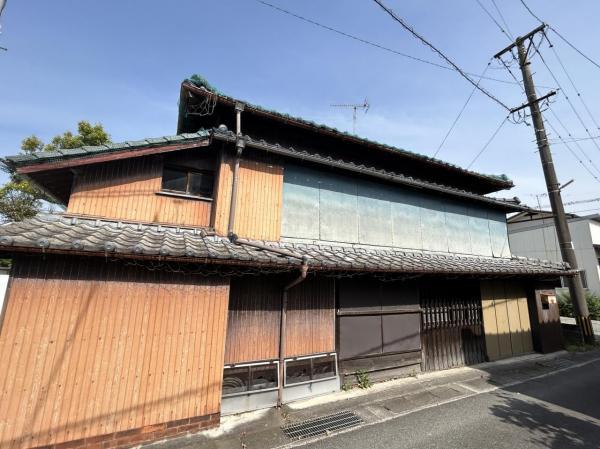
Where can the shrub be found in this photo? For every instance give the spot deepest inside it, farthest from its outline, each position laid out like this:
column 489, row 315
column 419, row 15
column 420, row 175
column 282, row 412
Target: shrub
column 566, row 306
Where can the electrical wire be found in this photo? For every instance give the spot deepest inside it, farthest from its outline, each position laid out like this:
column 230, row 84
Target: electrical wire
column 489, row 14
column 568, row 100
column 579, row 139
column 577, row 158
column 425, row 42
column 487, row 144
column 564, row 141
column 461, row 111
column 573, row 46
column 510, row 35
column 371, row 43
column 555, row 31
column 572, row 82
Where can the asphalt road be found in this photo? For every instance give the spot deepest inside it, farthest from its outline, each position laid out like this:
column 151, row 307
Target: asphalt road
column 559, row 411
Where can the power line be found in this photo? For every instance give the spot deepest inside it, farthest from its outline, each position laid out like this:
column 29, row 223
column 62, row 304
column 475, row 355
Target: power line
column 571, row 151
column 489, row 14
column 573, row 47
column 579, row 139
column 564, row 39
column 531, row 12
column 487, row 144
column 572, row 82
column 510, row 35
column 568, row 99
column 371, row 43
column 424, row 41
column 584, row 210
column 564, row 142
column 577, row 158
column 461, row 111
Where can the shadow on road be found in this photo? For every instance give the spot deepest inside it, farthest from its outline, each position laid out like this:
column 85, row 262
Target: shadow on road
column 546, row 426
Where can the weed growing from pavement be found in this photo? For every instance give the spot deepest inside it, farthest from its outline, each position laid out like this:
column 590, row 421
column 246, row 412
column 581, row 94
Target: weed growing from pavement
column 362, row 378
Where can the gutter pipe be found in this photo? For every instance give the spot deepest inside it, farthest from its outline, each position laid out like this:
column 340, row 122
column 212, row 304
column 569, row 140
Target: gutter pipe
column 282, row 326
column 240, row 144
column 284, row 301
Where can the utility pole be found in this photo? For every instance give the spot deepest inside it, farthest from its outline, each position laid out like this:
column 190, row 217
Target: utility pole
column 553, row 186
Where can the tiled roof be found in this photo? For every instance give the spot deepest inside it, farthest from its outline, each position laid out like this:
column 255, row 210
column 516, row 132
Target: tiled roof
column 225, row 135
column 56, row 233
column 229, row 136
column 74, row 153
column 201, row 82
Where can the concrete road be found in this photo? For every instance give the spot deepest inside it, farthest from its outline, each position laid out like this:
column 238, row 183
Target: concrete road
column 559, row 411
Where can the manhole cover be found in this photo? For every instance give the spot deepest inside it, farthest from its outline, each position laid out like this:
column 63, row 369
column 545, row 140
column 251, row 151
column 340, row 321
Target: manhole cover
column 322, row 425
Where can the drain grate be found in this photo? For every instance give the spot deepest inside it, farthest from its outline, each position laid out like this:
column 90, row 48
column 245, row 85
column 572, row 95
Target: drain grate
column 323, row 425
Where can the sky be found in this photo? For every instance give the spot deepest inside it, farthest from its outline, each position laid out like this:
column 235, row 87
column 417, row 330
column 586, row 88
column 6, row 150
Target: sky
column 120, row 63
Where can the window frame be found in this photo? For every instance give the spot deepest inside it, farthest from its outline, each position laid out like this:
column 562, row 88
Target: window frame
column 188, row 171
column 249, row 366
column 310, row 358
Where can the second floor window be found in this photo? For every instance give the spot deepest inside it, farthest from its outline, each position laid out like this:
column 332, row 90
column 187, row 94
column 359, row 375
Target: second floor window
column 188, row 181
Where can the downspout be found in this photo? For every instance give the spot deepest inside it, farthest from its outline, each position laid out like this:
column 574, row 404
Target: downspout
column 284, row 300
column 239, row 145
column 282, row 325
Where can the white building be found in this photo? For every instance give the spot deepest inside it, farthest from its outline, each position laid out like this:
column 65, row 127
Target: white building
column 532, row 234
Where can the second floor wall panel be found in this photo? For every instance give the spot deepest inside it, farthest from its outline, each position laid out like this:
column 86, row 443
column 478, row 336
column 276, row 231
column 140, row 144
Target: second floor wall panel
column 258, row 205
column 324, row 206
column 127, row 190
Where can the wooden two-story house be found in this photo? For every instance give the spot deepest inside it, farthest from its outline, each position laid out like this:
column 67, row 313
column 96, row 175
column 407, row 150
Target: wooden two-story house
column 252, row 259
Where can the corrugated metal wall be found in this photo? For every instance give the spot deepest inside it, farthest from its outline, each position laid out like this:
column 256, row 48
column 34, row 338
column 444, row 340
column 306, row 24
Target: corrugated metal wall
column 126, row 190
column 254, row 311
column 319, row 205
column 89, row 348
column 258, row 207
column 505, row 319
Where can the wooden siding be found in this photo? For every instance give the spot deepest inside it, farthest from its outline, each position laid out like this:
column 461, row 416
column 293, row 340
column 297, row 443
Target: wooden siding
column 92, row 348
column 259, row 196
column 126, row 190
column 505, row 319
column 451, row 324
column 254, row 314
column 311, row 318
column 253, row 322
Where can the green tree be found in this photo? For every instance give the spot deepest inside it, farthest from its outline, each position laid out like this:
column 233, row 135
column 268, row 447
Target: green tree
column 565, row 304
column 19, row 199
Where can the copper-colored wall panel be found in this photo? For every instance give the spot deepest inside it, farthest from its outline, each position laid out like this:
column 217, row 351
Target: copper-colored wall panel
column 93, row 348
column 311, row 318
column 126, row 190
column 254, row 313
column 253, row 323
column 259, row 197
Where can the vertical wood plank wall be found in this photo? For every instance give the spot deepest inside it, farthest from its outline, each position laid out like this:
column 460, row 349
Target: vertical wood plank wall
column 311, row 318
column 259, row 198
column 93, row 348
column 254, row 311
column 505, row 319
column 126, row 190
column 253, row 321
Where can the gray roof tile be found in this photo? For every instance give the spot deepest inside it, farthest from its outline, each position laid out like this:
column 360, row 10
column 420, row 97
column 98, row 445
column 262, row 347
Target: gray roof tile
column 60, row 233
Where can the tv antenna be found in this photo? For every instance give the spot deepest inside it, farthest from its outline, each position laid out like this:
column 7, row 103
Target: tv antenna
column 365, row 106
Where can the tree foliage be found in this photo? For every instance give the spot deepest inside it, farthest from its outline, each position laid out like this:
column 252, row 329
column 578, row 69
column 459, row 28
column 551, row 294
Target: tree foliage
column 19, row 199
column 565, row 304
